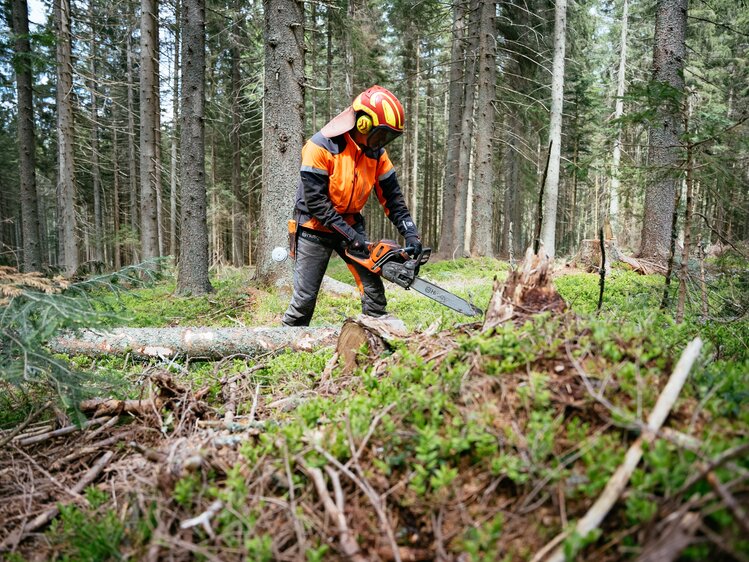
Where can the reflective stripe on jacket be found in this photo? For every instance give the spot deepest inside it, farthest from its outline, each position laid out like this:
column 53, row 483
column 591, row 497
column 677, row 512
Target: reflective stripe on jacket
column 337, row 176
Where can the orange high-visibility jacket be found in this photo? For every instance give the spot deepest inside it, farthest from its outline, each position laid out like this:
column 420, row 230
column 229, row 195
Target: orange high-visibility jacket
column 337, row 176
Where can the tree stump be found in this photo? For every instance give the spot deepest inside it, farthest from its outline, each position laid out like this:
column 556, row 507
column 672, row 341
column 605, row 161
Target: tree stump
column 377, row 333
column 528, row 290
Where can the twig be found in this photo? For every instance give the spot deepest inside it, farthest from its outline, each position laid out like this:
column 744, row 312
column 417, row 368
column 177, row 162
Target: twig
column 348, row 542
column 60, row 432
column 298, row 529
column 254, row 403
column 371, row 495
column 618, row 481
column 47, row 516
column 738, row 512
column 8, row 438
column 204, row 519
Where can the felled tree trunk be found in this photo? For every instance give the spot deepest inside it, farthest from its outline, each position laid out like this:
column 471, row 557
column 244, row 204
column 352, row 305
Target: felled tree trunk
column 194, row 342
column 528, row 290
column 377, row 333
column 588, row 257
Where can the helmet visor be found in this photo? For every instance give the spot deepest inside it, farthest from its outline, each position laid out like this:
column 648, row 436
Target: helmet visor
column 380, row 136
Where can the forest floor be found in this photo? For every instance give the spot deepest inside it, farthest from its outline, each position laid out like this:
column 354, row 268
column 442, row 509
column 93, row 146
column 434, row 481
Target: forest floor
column 455, row 444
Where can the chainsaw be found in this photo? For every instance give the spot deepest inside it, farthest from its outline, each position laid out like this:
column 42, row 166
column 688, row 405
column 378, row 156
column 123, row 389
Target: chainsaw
column 401, row 266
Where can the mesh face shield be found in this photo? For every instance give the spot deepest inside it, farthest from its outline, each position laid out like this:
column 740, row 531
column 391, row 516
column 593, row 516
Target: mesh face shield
column 381, row 136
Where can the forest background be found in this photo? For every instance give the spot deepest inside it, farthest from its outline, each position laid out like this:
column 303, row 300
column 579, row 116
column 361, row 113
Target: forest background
column 476, row 80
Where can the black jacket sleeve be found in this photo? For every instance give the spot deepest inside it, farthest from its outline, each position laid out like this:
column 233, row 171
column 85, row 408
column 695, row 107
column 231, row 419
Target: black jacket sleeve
column 317, row 199
column 390, row 195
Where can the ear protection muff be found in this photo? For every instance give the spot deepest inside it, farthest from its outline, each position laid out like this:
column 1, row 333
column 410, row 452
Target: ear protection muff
column 364, row 124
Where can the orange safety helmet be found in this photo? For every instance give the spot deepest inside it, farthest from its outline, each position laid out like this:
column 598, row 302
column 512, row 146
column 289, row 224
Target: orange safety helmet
column 379, row 116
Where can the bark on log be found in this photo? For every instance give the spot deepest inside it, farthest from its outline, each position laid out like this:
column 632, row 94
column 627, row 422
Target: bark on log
column 194, row 342
column 588, row 257
column 527, row 290
column 375, row 332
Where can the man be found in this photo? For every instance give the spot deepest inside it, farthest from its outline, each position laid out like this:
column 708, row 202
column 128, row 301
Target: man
column 341, row 165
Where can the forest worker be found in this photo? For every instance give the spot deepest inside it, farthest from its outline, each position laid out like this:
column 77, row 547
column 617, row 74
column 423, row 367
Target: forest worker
column 341, row 164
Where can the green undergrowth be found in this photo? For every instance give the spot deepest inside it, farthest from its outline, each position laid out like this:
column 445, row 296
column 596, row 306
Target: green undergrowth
column 499, row 424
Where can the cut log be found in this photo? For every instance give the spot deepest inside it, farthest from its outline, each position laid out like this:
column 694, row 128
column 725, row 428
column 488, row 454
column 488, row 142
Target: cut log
column 588, row 257
column 377, row 333
column 210, row 343
column 527, row 290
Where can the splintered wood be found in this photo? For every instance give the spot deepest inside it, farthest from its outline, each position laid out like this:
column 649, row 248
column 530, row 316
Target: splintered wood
column 528, row 290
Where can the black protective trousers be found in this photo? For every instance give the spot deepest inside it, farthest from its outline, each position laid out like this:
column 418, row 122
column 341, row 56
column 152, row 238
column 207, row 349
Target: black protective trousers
column 312, row 256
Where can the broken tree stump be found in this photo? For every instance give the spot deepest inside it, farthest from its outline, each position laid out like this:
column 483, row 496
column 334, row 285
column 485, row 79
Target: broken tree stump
column 211, row 343
column 527, row 290
column 377, row 333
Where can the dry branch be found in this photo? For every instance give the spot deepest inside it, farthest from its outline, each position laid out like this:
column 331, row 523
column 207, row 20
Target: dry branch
column 348, row 542
column 60, row 432
column 47, row 516
column 193, row 342
column 618, row 481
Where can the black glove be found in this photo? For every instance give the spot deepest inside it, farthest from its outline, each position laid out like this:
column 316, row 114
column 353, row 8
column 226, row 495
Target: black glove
column 358, row 245
column 414, row 242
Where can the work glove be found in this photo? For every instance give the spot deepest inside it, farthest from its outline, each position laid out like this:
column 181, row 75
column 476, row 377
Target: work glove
column 358, row 245
column 414, row 242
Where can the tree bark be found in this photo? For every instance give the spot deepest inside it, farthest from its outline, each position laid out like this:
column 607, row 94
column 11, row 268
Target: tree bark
column 132, row 159
column 237, row 212
column 175, row 135
column 482, row 242
column 457, row 97
column 95, row 169
column 149, row 103
column 669, row 54
column 193, row 263
column 551, row 187
column 32, row 254
column 462, row 180
column 67, row 241
column 618, row 112
column 283, row 128
column 144, row 343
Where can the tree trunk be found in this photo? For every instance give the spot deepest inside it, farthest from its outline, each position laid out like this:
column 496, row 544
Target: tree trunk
column 116, row 189
column 466, row 135
column 457, row 98
column 132, row 159
column 95, row 170
column 144, row 343
column 483, row 187
column 684, row 272
column 237, row 211
column 669, row 54
column 551, row 187
column 32, row 254
column 618, row 112
column 193, row 263
column 283, row 128
column 175, row 132
column 149, row 103
column 67, row 241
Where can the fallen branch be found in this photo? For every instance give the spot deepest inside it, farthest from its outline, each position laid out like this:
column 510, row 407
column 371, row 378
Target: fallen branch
column 738, row 512
column 618, row 481
column 111, row 406
column 204, row 519
column 18, row 429
column 348, row 543
column 44, row 518
column 60, row 432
